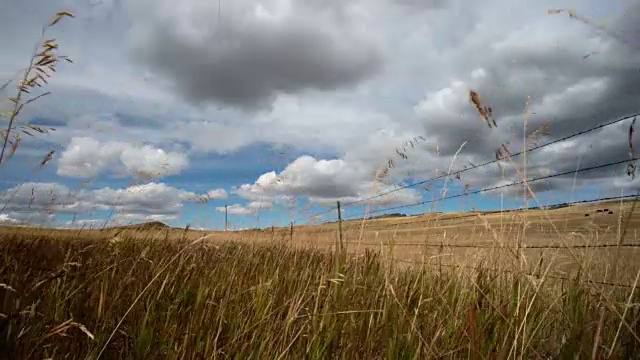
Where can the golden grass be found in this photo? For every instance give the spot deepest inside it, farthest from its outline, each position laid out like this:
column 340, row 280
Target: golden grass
column 174, row 293
column 189, row 294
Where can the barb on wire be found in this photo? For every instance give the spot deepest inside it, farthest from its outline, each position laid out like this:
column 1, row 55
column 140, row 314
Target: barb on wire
column 631, row 167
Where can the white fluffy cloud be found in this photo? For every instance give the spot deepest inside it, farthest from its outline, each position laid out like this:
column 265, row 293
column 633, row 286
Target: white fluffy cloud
column 148, row 202
column 18, row 219
column 27, row 218
column 6, row 219
column 325, row 182
column 217, row 194
column 130, row 218
column 251, row 208
column 235, row 209
column 259, row 205
column 151, row 197
column 42, row 197
column 86, row 157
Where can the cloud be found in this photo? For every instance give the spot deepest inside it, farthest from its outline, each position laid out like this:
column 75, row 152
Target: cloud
column 117, row 220
column 85, row 224
column 377, row 198
column 133, row 218
column 210, row 136
column 217, row 194
column 86, row 157
column 235, row 209
column 309, row 122
column 324, row 182
column 27, row 218
column 305, row 176
column 245, row 53
column 421, row 4
column 251, row 208
column 32, row 219
column 6, row 219
column 151, row 201
column 258, row 205
column 156, row 198
column 566, row 92
column 41, row 197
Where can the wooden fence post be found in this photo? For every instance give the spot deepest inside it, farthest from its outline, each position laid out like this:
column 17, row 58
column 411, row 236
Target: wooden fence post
column 340, row 227
column 291, row 230
column 440, row 251
column 226, row 218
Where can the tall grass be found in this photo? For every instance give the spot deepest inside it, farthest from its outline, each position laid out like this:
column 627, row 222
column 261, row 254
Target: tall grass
column 153, row 299
column 42, row 64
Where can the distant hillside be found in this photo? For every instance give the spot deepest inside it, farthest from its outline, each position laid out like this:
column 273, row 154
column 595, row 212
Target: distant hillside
column 385, row 216
column 153, row 225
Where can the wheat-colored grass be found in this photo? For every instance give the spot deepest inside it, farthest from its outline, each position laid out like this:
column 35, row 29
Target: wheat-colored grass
column 256, row 294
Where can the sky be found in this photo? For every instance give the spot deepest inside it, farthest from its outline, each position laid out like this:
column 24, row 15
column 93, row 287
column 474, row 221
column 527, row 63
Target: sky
column 278, row 109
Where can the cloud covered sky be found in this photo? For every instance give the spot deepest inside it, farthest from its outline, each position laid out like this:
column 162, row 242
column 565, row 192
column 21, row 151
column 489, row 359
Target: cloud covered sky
column 279, row 108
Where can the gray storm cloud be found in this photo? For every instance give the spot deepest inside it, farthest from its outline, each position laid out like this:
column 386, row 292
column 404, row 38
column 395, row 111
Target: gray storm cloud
column 246, row 53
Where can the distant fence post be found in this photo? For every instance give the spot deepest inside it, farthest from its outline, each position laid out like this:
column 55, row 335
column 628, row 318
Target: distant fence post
column 340, row 227
column 226, row 218
column 291, row 230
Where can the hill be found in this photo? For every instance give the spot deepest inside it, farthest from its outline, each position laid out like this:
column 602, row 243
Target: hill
column 153, row 225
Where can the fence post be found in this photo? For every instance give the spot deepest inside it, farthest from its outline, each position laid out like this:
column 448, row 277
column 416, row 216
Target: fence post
column 291, row 230
column 440, row 250
column 226, row 218
column 340, row 227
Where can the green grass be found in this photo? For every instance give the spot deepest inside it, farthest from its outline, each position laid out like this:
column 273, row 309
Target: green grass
column 154, row 299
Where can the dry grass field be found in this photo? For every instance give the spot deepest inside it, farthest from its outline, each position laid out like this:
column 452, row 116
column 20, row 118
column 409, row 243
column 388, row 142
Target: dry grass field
column 565, row 238
column 425, row 286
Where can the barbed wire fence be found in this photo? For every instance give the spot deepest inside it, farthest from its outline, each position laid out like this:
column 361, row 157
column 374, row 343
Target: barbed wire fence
column 564, row 279
column 481, row 165
column 366, row 214
column 442, row 246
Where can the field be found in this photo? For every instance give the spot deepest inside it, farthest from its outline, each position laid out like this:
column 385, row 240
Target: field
column 535, row 284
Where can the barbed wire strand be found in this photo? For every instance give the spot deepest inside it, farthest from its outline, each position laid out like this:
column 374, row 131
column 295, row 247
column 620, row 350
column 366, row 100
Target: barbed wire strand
column 537, row 147
column 481, row 213
column 488, row 246
column 547, row 207
column 535, row 179
column 507, row 271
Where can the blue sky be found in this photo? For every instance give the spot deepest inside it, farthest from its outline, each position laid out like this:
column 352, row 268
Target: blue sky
column 279, row 109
